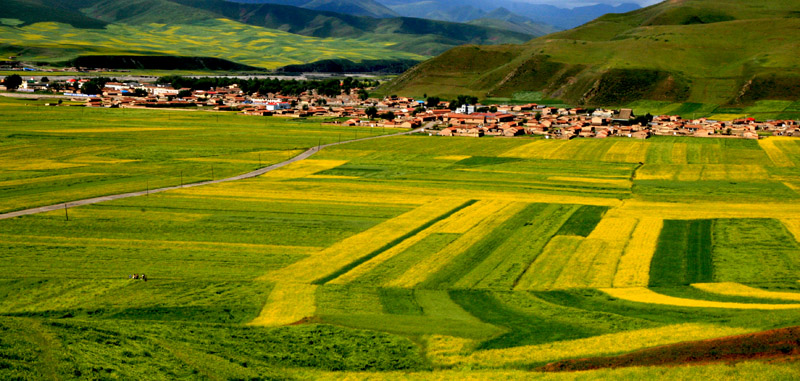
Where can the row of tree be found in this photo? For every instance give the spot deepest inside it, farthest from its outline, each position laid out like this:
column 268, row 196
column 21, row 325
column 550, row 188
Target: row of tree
column 328, row 87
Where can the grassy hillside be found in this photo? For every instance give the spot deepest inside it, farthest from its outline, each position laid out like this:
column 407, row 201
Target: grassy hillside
column 263, row 35
column 408, row 257
column 702, row 51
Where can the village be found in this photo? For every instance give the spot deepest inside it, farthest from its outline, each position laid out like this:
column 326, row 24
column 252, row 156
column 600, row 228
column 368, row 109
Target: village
column 354, row 108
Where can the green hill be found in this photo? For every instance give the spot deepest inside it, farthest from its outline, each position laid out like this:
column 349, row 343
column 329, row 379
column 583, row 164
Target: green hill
column 262, row 35
column 702, row 51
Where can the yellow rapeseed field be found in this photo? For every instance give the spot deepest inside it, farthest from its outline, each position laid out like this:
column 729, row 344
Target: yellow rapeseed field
column 540, row 149
column 352, row 248
column 775, row 154
column 627, row 151
column 497, row 214
column 793, row 225
column 287, row 303
column 622, row 183
column 679, row 153
column 737, row 289
column 646, row 295
column 595, row 261
column 702, row 172
column 452, row 157
column 302, row 169
column 451, row 351
column 634, row 265
column 704, row 210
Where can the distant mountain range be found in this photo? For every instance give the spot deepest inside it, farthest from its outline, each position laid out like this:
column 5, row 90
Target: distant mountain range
column 700, row 51
column 95, row 23
column 369, row 8
column 468, row 10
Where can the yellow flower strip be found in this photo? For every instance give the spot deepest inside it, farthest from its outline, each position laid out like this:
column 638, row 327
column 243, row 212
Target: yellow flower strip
column 634, row 265
column 287, row 303
column 645, row 295
column 595, row 262
column 451, row 351
column 737, row 289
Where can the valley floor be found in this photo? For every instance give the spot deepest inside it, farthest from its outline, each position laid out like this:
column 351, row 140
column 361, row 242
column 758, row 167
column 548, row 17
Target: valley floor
column 402, row 258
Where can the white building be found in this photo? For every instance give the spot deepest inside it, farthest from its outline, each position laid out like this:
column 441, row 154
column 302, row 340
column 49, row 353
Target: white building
column 466, row 109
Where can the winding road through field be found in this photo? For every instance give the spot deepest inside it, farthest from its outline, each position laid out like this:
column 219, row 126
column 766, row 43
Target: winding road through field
column 258, row 172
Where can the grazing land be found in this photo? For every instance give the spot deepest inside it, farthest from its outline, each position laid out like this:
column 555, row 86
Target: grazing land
column 403, row 257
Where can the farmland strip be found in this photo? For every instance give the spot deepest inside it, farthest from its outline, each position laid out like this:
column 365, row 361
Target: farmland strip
column 595, row 262
column 341, row 254
column 737, row 289
column 634, row 265
column 287, row 303
column 778, row 157
column 391, row 244
column 477, row 253
column 495, row 213
column 648, row 296
column 450, row 351
column 547, row 267
column 509, row 261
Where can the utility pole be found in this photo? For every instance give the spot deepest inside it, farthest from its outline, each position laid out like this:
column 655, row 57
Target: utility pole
column 212, row 173
column 259, row 160
column 66, row 213
column 147, row 191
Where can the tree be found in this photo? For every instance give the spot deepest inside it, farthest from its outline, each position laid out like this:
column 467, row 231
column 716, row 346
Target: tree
column 538, row 116
column 493, row 109
column 388, row 116
column 371, row 112
column 432, row 102
column 363, row 94
column 91, row 88
column 139, row 92
column 184, row 93
column 13, row 81
column 44, row 80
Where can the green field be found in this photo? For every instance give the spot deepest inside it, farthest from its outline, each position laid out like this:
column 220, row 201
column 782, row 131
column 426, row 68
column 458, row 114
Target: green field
column 57, row 154
column 408, row 257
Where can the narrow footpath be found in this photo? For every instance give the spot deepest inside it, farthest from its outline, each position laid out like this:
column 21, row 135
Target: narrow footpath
column 258, row 172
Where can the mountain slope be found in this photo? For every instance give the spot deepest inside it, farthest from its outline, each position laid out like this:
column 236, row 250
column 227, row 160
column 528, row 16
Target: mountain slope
column 272, row 35
column 502, row 18
column 369, row 8
column 714, row 51
column 30, row 12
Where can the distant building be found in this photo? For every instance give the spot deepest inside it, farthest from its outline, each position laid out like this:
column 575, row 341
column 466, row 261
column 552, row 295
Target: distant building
column 466, row 109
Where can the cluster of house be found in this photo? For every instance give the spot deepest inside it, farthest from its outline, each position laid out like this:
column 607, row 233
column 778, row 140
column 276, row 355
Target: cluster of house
column 568, row 123
column 466, row 120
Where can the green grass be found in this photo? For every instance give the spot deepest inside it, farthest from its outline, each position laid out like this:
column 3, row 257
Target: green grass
column 754, row 251
column 683, row 254
column 583, row 221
